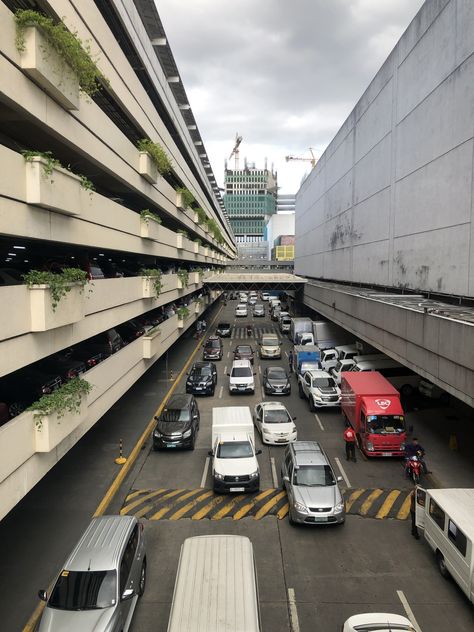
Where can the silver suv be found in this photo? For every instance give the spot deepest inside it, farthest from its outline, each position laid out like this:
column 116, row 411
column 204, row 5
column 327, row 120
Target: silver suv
column 101, row 581
column 313, row 492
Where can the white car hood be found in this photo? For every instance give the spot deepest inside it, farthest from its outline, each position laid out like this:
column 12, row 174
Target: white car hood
column 235, row 467
column 276, row 429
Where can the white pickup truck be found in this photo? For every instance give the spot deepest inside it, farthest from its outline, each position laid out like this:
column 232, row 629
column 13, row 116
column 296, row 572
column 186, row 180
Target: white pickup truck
column 320, row 389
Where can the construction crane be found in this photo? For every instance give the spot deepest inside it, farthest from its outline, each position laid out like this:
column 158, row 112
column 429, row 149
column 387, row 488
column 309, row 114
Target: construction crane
column 235, row 151
column 313, row 160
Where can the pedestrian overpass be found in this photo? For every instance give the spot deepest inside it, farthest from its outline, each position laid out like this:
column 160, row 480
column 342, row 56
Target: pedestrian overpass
column 250, row 280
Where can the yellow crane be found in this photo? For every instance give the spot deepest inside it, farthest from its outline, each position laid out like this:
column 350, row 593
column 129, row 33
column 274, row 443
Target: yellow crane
column 235, row 151
column 313, row 160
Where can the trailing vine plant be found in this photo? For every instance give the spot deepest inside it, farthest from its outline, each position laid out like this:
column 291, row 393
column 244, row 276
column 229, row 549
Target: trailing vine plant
column 76, row 53
column 155, row 276
column 66, row 399
column 49, row 163
column 154, row 331
column 183, row 313
column 183, row 232
column 146, row 215
column 187, row 198
column 183, row 276
column 59, row 284
column 157, row 154
column 201, row 213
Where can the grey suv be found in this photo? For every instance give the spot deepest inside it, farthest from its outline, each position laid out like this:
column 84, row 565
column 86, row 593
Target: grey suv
column 313, row 492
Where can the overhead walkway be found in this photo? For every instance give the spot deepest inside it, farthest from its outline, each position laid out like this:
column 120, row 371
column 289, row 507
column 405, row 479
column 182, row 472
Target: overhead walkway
column 249, row 280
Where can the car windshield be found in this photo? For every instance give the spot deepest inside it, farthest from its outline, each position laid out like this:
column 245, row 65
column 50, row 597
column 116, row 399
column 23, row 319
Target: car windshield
column 241, row 371
column 234, row 450
column 385, row 424
column 202, row 371
column 323, row 382
column 243, row 349
column 269, row 342
column 176, row 414
column 277, row 416
column 213, row 344
column 223, row 326
column 85, row 590
column 276, row 374
column 314, row 476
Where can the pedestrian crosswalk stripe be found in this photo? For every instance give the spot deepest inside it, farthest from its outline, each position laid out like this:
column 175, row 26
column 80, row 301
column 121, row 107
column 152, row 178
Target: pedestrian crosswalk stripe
column 200, row 503
column 239, row 332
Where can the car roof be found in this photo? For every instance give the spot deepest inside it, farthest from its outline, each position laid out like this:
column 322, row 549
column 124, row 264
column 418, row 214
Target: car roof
column 213, row 338
column 200, row 365
column 273, row 406
column 180, row 400
column 308, row 453
column 315, row 373
column 241, row 363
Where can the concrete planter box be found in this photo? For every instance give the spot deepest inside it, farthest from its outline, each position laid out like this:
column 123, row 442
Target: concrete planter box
column 149, row 229
column 18, row 443
column 60, row 192
column 151, row 344
column 179, row 241
column 147, row 168
column 148, row 287
column 51, row 431
column 195, row 217
column 41, row 62
column 206, row 251
column 196, row 277
column 70, row 308
column 196, row 247
column 197, row 308
column 180, row 323
column 180, row 205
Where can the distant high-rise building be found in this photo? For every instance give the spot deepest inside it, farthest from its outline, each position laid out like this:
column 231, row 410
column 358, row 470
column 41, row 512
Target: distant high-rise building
column 249, row 199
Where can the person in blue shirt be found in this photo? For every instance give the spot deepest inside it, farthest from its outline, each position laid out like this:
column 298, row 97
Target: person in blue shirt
column 415, row 449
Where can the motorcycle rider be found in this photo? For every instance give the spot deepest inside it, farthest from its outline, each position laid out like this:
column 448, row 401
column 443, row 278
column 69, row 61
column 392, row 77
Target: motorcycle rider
column 414, row 449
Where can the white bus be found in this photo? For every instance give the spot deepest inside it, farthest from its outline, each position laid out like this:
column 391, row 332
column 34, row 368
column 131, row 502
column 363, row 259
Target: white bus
column 216, row 586
column 404, row 379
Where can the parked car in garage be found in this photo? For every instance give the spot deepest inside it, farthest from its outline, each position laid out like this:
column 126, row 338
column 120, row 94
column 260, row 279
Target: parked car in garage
column 276, row 381
column 130, row 331
column 202, row 379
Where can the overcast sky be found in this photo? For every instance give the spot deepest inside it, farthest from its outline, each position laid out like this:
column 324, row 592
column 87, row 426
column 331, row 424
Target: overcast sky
column 284, row 74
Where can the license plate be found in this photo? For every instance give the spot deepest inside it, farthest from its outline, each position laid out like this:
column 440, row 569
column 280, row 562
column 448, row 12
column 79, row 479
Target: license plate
column 237, row 489
column 320, row 519
column 282, row 440
column 171, row 445
column 386, row 454
column 198, row 388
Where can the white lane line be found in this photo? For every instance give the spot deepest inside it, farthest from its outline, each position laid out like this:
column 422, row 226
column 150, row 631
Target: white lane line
column 344, row 475
column 274, row 472
column 220, row 392
column 408, row 610
column 319, row 421
column 204, row 475
column 225, row 370
column 294, row 622
column 260, row 369
column 228, row 353
column 286, row 353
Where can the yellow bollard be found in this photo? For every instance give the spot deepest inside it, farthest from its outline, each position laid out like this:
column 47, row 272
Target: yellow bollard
column 120, row 460
column 453, row 442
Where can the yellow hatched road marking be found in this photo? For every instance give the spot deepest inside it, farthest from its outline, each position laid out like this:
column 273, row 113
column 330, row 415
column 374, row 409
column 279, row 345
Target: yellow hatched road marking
column 246, row 508
column 269, row 504
column 135, row 494
column 177, row 515
column 208, row 508
column 353, row 497
column 165, row 510
column 404, row 509
column 366, row 505
column 388, row 504
column 227, row 507
column 283, row 511
column 128, row 508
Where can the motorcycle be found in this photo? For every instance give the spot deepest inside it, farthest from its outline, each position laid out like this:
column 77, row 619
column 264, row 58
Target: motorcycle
column 414, row 468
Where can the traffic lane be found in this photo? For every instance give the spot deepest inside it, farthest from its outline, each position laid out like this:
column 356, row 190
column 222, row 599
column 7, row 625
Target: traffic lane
column 164, row 541
column 358, row 567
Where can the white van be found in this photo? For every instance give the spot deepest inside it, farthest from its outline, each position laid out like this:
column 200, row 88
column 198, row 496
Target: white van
column 241, row 377
column 446, row 517
column 216, row 586
column 404, row 379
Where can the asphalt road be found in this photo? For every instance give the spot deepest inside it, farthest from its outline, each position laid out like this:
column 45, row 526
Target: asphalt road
column 369, row 564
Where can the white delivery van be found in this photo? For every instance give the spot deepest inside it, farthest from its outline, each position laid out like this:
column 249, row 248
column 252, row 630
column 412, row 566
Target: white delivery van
column 446, row 517
column 216, row 586
column 234, row 463
column 404, row 379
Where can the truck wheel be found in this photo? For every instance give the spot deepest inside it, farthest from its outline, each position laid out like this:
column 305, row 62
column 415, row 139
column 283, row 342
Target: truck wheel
column 442, row 565
column 300, row 391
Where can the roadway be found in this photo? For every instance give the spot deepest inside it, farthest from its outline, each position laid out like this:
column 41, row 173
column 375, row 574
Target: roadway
column 369, row 564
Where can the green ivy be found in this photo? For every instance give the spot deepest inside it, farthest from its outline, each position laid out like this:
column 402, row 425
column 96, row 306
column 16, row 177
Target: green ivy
column 201, row 213
column 154, row 331
column 187, row 198
column 49, row 164
column 155, row 276
column 68, row 46
column 198, row 242
column 157, row 154
column 183, row 313
column 146, row 215
column 66, row 399
column 59, row 284
column 183, row 276
column 183, row 232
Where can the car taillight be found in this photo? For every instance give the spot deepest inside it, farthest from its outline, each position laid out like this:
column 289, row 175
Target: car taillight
column 71, row 373
column 46, row 390
column 92, row 362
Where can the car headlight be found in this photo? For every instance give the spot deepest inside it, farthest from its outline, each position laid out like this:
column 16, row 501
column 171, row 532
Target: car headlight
column 370, row 446
column 300, row 507
column 339, row 507
column 293, row 429
column 266, row 431
column 402, row 446
column 254, row 474
column 317, row 397
column 187, row 434
column 219, row 477
column 157, row 434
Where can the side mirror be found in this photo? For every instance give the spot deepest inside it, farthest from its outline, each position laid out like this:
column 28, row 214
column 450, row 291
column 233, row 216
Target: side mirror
column 195, row 416
column 339, row 479
column 254, row 373
column 258, row 452
column 211, row 453
column 127, row 594
column 43, row 595
column 286, row 479
column 156, row 417
column 295, row 418
column 228, row 374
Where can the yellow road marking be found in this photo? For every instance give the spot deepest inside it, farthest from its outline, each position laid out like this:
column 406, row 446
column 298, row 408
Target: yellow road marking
column 177, row 515
column 164, row 510
column 246, row 508
column 269, row 504
column 353, row 497
column 366, row 505
column 136, row 503
column 283, row 511
column 404, row 509
column 207, row 508
column 388, row 504
column 135, row 494
column 227, row 507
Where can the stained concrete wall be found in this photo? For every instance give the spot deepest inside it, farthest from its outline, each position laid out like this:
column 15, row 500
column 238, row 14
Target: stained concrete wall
column 390, row 202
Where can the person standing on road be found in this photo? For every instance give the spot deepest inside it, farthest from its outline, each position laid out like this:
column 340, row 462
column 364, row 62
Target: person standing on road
column 414, row 528
column 290, row 360
column 350, row 438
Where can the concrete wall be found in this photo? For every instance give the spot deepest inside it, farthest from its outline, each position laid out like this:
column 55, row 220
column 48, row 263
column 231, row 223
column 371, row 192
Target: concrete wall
column 390, row 202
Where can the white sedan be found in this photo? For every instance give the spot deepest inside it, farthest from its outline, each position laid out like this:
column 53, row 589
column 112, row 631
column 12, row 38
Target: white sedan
column 241, row 310
column 274, row 423
column 377, row 622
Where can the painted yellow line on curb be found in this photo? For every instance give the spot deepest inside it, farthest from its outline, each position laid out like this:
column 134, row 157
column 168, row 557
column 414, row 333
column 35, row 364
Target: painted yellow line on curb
column 367, row 504
column 228, row 507
column 184, row 510
column 404, row 509
column 246, row 508
column 388, row 504
column 137, row 503
column 268, row 505
column 202, row 513
column 353, row 497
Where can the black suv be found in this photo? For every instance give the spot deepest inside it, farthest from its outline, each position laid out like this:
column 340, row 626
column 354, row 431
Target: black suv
column 213, row 349
column 202, row 379
column 223, row 330
column 178, row 424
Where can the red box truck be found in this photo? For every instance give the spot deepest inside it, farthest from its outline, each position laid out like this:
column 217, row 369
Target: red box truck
column 372, row 407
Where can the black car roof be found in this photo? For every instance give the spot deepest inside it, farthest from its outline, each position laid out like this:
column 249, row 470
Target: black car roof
column 200, row 365
column 180, row 400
